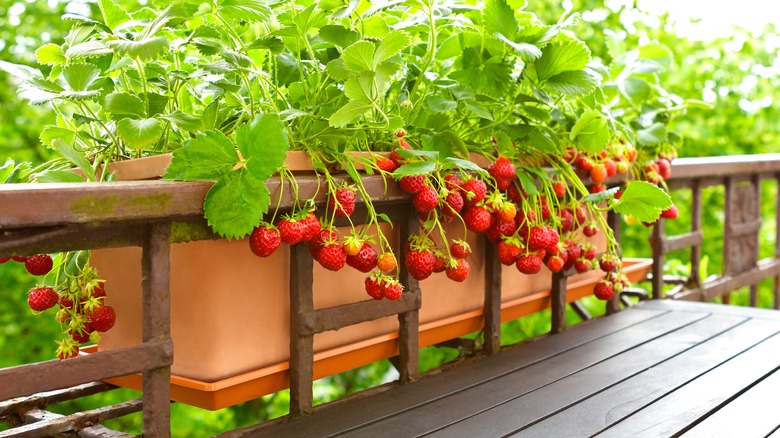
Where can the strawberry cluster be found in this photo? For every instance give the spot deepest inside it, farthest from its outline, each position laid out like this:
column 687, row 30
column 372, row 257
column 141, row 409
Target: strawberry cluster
column 79, row 299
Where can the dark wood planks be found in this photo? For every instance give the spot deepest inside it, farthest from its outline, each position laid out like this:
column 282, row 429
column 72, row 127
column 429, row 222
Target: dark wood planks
column 524, row 407
column 345, row 416
column 675, row 411
column 609, row 406
column 752, row 414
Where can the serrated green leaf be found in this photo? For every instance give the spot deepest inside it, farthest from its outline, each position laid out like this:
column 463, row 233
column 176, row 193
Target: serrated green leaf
column 375, row 27
column 348, row 113
column 146, row 49
column 439, row 104
column 591, row 132
column 51, row 133
column 562, row 57
column 88, row 49
column 245, row 10
column 359, row 57
column 478, row 110
column 527, row 183
column 80, row 77
column 654, row 134
column 113, row 14
column 339, row 10
column 234, row 205
column 34, row 95
column 504, row 144
column 418, row 168
column 139, row 133
column 264, row 144
column 499, row 17
column 595, row 198
column 465, row 165
column 20, row 71
column 526, row 50
column 414, row 153
column 183, row 121
column 643, row 201
column 88, row 23
column 542, row 142
column 394, row 43
column 274, row 44
column 50, row 54
column 208, row 156
column 77, row 158
column 339, row 35
column 124, row 104
column 572, row 83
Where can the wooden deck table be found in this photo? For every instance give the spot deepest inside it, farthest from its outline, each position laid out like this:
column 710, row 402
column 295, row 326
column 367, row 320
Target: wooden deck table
column 662, row 368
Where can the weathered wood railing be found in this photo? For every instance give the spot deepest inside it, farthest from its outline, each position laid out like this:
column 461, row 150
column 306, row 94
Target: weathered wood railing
column 741, row 177
column 83, row 216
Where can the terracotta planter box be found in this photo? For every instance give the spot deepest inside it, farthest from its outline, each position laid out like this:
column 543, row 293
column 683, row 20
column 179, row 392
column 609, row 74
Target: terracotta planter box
column 230, row 312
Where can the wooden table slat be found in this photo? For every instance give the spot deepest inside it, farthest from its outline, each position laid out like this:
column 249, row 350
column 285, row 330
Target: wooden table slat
column 609, row 406
column 528, row 408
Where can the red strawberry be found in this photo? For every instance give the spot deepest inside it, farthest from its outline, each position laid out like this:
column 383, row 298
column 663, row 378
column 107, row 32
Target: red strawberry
column 66, row 302
column 386, row 262
column 99, row 290
column 590, row 253
column 598, row 173
column 598, row 188
column 559, row 187
column 265, row 240
column 607, row 264
column 664, row 168
column 514, row 194
column 313, row 227
column 20, row 259
column 324, row 236
column 452, row 182
column 509, row 251
column 412, row 184
column 386, row 164
column 374, row 288
column 68, row 352
column 460, row 249
column 503, row 183
column 4, row 259
column 589, row 230
column 458, row 270
column 425, row 200
column 567, row 219
column 603, row 290
column 474, row 190
column 420, row 263
column 291, row 231
column 502, row 168
column 581, row 213
column 345, row 196
column 453, row 203
column 552, row 240
column 529, row 264
column 392, row 289
column 611, row 167
column 582, row 265
column 477, row 219
column 538, row 238
column 555, row 263
column 102, row 318
column 439, row 265
column 365, row 260
column 39, row 264
column 82, row 336
column 499, row 229
column 400, row 132
column 670, row 213
column 332, row 257
column 508, row 211
column 42, row 298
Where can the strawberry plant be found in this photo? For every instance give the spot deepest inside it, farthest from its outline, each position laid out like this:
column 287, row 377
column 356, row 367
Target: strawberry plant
column 486, row 116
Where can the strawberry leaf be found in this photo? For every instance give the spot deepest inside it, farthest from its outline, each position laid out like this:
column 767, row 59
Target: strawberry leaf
column 139, row 133
column 591, row 132
column 562, row 57
column 50, row 54
column 124, row 104
column 235, row 204
column 207, row 156
column 643, row 201
column 418, row 168
column 264, row 144
column 595, row 198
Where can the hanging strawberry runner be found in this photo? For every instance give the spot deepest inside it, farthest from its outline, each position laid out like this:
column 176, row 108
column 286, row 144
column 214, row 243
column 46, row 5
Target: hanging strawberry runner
column 422, row 87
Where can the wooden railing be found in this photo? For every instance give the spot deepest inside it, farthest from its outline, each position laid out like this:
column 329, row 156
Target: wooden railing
column 741, row 178
column 88, row 216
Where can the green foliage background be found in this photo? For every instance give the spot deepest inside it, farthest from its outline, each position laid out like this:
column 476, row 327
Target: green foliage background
column 735, row 74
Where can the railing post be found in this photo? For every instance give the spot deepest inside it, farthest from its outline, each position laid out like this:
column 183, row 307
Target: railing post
column 657, row 242
column 155, row 284
column 492, row 305
column 776, row 301
column 694, row 278
column 301, row 344
column 408, row 322
column 613, row 220
column 558, row 304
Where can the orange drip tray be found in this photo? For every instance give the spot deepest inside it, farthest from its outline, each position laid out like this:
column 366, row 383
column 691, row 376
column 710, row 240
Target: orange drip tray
column 257, row 383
